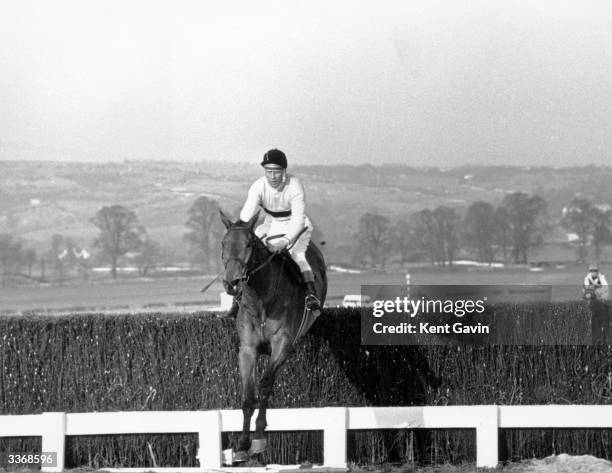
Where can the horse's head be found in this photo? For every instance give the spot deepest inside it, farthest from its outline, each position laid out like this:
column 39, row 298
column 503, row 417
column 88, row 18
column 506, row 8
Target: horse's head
column 237, row 245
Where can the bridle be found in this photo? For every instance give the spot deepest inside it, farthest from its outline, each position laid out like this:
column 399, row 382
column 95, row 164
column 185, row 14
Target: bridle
column 244, row 263
column 246, row 275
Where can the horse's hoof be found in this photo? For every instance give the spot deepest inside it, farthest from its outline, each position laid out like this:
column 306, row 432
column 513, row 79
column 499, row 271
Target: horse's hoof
column 241, row 457
column 258, row 446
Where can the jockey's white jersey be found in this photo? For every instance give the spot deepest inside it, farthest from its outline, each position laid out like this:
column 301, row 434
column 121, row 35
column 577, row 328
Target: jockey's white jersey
column 599, row 281
column 286, row 203
column 600, row 284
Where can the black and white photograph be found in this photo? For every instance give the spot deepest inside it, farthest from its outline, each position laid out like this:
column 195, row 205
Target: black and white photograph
column 345, row 236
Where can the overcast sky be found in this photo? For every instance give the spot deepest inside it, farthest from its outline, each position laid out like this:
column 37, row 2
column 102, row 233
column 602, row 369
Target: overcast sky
column 420, row 82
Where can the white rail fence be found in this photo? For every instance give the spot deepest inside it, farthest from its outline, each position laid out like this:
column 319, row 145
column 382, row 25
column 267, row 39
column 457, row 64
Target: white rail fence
column 53, row 427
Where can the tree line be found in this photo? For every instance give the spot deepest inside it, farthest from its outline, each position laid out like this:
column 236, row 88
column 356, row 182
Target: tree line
column 484, row 232
column 120, row 238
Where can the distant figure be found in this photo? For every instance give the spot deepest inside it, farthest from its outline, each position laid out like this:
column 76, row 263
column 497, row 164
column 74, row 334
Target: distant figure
column 596, row 291
column 595, row 285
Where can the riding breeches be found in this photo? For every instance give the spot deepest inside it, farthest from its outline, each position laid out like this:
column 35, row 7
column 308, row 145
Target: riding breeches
column 273, row 226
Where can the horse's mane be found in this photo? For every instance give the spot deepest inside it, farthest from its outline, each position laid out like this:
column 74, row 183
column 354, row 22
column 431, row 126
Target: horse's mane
column 240, row 225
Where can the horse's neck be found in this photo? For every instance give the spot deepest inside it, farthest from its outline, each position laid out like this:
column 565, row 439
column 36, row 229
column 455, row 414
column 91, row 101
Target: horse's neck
column 267, row 275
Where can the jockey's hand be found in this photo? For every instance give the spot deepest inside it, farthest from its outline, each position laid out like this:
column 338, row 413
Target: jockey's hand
column 278, row 244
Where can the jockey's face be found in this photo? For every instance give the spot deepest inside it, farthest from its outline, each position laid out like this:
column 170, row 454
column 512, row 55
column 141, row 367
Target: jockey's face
column 275, row 175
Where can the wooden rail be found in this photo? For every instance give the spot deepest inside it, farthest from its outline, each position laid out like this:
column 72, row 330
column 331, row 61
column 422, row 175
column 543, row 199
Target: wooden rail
column 53, row 427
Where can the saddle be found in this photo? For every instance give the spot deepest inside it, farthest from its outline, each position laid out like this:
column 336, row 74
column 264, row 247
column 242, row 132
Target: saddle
column 293, row 269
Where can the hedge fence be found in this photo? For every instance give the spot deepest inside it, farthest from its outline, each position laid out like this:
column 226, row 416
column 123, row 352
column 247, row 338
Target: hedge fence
column 95, row 362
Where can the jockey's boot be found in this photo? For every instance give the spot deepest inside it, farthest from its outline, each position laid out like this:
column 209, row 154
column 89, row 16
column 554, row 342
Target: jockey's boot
column 312, row 301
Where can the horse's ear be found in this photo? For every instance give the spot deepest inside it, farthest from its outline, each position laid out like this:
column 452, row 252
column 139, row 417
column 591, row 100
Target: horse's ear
column 225, row 219
column 253, row 220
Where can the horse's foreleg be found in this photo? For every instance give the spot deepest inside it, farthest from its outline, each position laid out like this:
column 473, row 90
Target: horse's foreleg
column 280, row 350
column 247, row 359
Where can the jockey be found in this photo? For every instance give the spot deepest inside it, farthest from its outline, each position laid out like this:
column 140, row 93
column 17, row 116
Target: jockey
column 596, row 282
column 281, row 196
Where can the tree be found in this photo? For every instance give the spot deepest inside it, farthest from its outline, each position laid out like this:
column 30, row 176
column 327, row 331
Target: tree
column 446, row 222
column 503, row 232
column 374, row 238
column 435, row 234
column 10, row 254
column 57, row 253
column 479, row 229
column 205, row 232
column 403, row 240
column 527, row 222
column 425, row 235
column 29, row 258
column 120, row 232
column 148, row 256
column 602, row 229
column 579, row 218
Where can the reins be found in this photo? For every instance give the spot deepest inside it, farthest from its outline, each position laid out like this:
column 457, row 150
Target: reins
column 249, row 273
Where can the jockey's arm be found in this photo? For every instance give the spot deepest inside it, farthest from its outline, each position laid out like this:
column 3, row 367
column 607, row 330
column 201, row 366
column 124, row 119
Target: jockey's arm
column 252, row 202
column 297, row 221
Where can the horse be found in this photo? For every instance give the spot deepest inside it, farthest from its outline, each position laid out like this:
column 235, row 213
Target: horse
column 271, row 319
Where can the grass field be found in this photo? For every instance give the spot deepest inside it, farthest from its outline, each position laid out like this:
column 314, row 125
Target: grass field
column 158, row 293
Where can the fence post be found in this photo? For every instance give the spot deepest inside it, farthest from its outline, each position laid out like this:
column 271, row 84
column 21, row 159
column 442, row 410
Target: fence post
column 487, row 437
column 54, row 438
column 334, row 436
column 209, row 439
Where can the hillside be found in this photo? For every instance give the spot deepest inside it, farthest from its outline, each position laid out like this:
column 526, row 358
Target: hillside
column 38, row 199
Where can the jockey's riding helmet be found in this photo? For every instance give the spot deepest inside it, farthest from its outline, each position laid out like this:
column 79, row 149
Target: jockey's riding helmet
column 593, row 267
column 275, row 156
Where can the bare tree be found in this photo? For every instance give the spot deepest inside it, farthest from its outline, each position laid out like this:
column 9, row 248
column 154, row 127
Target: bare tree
column 479, row 228
column 602, row 229
column 56, row 256
column 403, row 239
column 447, row 225
column 10, row 255
column 426, row 237
column 503, row 232
column 436, row 234
column 205, row 232
column 29, row 258
column 149, row 256
column 527, row 222
column 579, row 218
column 120, row 233
column 374, row 238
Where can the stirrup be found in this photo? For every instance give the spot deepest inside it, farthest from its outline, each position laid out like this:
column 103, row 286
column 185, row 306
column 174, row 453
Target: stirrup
column 312, row 302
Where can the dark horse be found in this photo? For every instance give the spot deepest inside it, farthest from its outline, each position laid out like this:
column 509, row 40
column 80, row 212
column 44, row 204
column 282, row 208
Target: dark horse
column 271, row 318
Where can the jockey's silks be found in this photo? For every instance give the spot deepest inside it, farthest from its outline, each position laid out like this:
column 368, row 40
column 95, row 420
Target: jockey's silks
column 289, row 197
